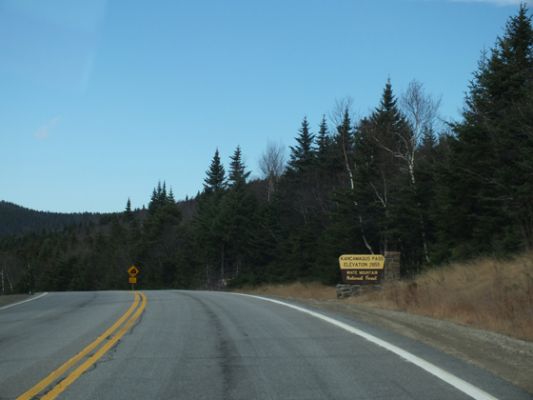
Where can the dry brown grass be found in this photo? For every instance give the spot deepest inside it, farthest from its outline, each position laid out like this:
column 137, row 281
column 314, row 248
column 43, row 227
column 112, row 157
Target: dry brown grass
column 487, row 293
column 296, row 290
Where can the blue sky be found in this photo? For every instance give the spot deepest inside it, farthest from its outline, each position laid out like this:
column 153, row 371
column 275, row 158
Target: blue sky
column 101, row 99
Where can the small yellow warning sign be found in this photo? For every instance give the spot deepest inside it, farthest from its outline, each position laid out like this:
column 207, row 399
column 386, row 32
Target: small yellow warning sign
column 133, row 271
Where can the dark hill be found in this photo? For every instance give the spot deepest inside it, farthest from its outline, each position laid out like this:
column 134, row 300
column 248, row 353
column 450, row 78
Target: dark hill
column 15, row 219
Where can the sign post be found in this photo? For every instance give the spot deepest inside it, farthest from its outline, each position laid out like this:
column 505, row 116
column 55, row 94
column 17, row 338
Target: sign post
column 133, row 271
column 362, row 269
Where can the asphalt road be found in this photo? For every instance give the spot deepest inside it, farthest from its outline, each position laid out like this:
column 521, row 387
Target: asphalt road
column 213, row 345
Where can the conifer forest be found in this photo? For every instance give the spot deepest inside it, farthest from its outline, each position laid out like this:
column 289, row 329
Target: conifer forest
column 397, row 179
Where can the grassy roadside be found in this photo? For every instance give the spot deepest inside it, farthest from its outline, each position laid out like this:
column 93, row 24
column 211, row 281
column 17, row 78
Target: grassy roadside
column 486, row 293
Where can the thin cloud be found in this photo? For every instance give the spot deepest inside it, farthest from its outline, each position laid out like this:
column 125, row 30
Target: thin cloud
column 43, row 132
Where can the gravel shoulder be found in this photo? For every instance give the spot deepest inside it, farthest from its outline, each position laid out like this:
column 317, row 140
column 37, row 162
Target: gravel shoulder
column 508, row 358
column 13, row 298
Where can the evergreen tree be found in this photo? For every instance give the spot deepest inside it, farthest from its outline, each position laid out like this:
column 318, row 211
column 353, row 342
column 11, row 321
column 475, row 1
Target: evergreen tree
column 299, row 202
column 237, row 174
column 327, row 170
column 208, row 226
column 302, row 155
column 159, row 243
column 127, row 212
column 323, row 140
column 159, row 197
column 383, row 191
column 236, row 219
column 153, row 199
column 345, row 144
column 216, row 175
column 492, row 156
column 163, row 196
column 428, row 155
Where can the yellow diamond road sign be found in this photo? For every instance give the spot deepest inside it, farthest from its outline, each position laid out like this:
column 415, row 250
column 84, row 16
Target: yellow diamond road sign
column 133, row 271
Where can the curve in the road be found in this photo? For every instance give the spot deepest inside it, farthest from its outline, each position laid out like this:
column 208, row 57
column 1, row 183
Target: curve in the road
column 23, row 301
column 126, row 321
column 210, row 345
column 458, row 383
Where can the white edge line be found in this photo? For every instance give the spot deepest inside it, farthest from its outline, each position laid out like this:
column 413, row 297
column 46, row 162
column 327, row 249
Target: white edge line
column 443, row 375
column 23, row 301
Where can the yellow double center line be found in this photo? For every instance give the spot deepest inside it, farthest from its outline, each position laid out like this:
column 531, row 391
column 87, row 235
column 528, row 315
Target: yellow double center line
column 121, row 327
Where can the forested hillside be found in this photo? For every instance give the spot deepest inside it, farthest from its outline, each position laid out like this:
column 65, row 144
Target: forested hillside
column 20, row 220
column 397, row 179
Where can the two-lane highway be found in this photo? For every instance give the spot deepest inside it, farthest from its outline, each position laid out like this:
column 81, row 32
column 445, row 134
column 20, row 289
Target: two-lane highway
column 214, row 345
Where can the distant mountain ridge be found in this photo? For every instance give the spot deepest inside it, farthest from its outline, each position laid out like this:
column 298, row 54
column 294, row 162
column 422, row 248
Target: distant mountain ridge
column 15, row 219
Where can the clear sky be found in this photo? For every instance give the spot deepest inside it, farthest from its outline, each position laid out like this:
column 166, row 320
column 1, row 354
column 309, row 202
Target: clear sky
column 101, row 99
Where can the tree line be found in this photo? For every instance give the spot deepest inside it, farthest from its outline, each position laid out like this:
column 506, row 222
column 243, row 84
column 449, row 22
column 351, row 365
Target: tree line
column 17, row 220
column 398, row 179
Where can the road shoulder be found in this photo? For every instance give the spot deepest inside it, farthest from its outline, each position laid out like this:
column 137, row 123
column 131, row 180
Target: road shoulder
column 8, row 299
column 508, row 358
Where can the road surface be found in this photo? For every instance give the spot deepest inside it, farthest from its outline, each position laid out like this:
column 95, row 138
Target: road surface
column 214, row 345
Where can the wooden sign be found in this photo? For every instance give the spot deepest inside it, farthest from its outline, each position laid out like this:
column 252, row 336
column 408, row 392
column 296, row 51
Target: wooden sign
column 362, row 269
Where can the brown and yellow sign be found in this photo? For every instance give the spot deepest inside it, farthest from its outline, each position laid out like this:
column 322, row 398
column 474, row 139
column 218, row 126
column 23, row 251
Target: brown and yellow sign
column 361, row 261
column 362, row 269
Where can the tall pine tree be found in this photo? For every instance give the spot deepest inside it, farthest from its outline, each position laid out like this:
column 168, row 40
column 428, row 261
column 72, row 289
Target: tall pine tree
column 489, row 180
column 303, row 154
column 237, row 173
column 215, row 180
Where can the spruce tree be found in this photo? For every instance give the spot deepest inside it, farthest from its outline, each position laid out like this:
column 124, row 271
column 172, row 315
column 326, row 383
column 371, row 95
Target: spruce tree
column 215, row 180
column 127, row 212
column 237, row 173
column 323, row 140
column 159, row 242
column 207, row 227
column 344, row 140
column 163, row 197
column 302, row 155
column 159, row 197
column 153, row 200
column 235, row 219
column 492, row 156
column 383, row 191
column 171, row 199
column 128, row 207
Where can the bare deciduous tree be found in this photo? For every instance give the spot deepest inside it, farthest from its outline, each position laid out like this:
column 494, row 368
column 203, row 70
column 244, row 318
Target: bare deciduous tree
column 272, row 165
column 341, row 106
column 422, row 113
